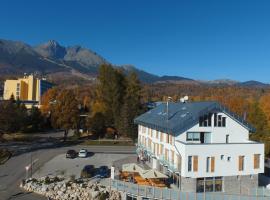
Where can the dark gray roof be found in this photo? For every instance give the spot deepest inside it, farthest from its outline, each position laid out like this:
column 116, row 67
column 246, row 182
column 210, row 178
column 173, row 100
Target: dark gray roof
column 183, row 116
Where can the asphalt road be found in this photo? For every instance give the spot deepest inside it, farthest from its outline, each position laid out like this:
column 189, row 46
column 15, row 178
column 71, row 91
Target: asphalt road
column 13, row 171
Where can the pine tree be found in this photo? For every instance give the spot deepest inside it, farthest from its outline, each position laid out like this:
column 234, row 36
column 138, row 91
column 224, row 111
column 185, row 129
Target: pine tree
column 132, row 106
column 110, row 93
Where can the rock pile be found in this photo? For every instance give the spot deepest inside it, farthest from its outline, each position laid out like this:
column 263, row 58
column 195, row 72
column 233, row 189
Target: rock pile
column 59, row 189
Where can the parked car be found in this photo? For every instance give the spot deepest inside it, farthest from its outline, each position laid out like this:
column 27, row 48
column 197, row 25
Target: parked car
column 103, row 171
column 88, row 171
column 83, row 153
column 71, row 154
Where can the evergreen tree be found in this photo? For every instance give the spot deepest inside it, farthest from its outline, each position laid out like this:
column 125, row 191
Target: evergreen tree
column 110, row 93
column 132, row 106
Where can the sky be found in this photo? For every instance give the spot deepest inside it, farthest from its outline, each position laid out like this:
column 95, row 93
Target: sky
column 204, row 39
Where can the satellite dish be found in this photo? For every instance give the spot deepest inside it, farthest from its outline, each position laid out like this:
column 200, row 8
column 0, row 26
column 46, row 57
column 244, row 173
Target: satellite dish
column 186, row 98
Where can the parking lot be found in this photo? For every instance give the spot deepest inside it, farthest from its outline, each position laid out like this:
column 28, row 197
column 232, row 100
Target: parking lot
column 60, row 165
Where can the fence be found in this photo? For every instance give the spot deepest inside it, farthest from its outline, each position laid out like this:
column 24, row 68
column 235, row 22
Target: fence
column 172, row 194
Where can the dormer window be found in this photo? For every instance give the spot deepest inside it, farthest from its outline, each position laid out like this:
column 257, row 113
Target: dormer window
column 205, row 120
column 219, row 120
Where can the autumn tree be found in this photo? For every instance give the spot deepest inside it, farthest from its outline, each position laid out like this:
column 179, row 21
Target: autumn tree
column 65, row 112
column 257, row 118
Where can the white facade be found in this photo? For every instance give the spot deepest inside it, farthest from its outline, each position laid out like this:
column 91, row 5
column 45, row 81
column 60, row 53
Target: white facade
column 218, row 152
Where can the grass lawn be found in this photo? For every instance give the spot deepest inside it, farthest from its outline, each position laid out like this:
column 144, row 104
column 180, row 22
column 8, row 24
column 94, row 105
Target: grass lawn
column 108, row 143
column 4, row 155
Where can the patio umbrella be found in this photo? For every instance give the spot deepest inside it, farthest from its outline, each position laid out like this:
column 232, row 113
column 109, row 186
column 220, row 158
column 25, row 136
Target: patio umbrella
column 132, row 167
column 152, row 173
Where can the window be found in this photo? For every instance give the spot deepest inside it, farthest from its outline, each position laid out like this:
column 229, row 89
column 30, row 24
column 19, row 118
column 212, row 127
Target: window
column 161, row 149
column 241, row 163
column 172, row 156
column 189, row 163
column 229, row 159
column 193, row 163
column 200, row 184
column 209, row 184
column 212, row 164
column 257, row 161
column 223, row 121
column 207, row 164
column 167, row 138
column 193, row 136
column 222, row 157
column 166, row 154
column 219, row 121
column 227, row 139
column 205, row 120
column 156, row 134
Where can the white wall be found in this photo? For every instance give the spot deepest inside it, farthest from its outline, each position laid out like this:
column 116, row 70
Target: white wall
column 222, row 167
column 237, row 133
column 239, row 145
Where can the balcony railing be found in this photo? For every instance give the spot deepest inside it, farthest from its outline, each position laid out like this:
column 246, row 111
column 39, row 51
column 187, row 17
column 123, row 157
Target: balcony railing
column 171, row 166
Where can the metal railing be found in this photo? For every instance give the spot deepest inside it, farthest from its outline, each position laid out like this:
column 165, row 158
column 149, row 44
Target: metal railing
column 173, row 194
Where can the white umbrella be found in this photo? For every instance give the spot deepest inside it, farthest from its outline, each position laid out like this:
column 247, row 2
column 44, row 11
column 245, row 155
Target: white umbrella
column 152, row 173
column 132, row 167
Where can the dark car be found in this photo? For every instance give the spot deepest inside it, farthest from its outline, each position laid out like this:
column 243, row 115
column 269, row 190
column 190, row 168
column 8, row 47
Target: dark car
column 103, row 171
column 71, row 154
column 88, row 171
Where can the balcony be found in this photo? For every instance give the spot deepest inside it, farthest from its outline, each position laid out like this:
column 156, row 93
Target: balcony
column 168, row 163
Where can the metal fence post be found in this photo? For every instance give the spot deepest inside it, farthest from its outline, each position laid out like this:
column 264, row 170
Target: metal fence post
column 145, row 191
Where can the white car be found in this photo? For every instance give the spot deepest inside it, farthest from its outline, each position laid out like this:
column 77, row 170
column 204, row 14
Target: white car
column 83, row 153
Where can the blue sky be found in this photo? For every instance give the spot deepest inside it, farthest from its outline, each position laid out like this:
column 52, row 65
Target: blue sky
column 196, row 39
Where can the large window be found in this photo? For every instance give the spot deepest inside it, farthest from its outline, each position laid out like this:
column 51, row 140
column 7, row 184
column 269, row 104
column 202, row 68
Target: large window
column 193, row 136
column 219, row 121
column 210, row 184
column 205, row 121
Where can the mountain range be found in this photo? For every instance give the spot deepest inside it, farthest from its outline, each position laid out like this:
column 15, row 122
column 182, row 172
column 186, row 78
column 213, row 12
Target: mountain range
column 54, row 60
